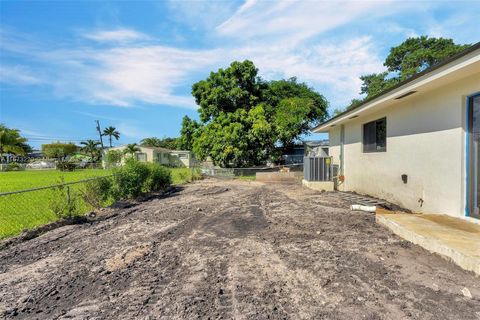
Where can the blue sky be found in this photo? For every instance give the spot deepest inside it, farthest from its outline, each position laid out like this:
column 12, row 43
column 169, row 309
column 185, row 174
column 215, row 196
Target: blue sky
column 131, row 64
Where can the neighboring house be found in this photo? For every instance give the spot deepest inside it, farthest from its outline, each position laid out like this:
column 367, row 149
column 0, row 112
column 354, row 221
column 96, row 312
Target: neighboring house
column 416, row 144
column 293, row 155
column 183, row 158
column 166, row 157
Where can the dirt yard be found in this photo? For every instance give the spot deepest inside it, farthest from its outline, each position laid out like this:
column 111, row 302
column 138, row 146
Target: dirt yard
column 232, row 249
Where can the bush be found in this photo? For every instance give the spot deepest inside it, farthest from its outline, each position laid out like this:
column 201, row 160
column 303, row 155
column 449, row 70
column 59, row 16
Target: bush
column 66, row 166
column 64, row 202
column 113, row 158
column 183, row 176
column 97, row 193
column 13, row 166
column 135, row 178
column 128, row 180
column 159, row 178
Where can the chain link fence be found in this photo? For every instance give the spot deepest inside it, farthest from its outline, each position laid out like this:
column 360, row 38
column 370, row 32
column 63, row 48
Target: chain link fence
column 246, row 172
column 26, row 209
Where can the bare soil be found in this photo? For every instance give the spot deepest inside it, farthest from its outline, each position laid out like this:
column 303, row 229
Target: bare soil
column 232, row 249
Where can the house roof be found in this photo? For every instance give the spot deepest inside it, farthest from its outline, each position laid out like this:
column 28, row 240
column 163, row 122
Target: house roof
column 144, row 147
column 398, row 90
column 316, row 143
column 157, row 149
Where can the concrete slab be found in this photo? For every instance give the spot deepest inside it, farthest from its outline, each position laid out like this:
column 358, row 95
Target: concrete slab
column 452, row 238
column 319, row 185
column 275, row 177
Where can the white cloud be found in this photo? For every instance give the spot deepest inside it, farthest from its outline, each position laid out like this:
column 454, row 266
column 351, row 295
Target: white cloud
column 131, row 131
column 17, row 74
column 392, row 27
column 294, row 21
column 282, row 38
column 150, row 74
column 332, row 66
column 117, row 35
column 134, row 73
column 200, row 14
column 462, row 26
column 121, row 75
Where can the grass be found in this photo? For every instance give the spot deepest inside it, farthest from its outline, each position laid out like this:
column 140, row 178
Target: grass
column 247, row 178
column 31, row 209
column 184, row 175
column 20, row 180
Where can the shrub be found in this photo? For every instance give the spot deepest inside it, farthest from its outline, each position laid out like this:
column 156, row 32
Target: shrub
column 183, row 176
column 97, row 192
column 159, row 178
column 13, row 166
column 66, row 166
column 128, row 180
column 113, row 158
column 64, row 202
column 135, row 178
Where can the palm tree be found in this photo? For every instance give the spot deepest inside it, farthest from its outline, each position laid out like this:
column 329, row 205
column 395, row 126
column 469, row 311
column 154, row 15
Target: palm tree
column 131, row 148
column 151, row 142
column 90, row 147
column 11, row 141
column 111, row 132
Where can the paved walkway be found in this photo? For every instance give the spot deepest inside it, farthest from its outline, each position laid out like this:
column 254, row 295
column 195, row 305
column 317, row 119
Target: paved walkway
column 453, row 238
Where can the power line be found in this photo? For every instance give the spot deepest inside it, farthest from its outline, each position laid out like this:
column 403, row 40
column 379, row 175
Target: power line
column 53, row 138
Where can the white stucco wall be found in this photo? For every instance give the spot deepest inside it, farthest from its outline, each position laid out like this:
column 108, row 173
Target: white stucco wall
column 425, row 140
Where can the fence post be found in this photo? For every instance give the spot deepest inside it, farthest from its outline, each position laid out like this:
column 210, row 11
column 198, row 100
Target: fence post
column 68, row 199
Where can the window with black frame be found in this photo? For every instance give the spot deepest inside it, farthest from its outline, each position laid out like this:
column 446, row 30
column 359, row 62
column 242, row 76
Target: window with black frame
column 375, row 136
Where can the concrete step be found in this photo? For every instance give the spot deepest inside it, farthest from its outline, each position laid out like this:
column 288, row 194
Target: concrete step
column 452, row 238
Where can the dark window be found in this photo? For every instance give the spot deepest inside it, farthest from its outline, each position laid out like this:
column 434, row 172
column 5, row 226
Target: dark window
column 375, row 136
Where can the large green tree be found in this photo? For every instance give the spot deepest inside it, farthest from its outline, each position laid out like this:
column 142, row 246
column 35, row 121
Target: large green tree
column 245, row 118
column 296, row 108
column 227, row 90
column 12, row 142
column 236, row 139
column 190, row 130
column 58, row 149
column 410, row 57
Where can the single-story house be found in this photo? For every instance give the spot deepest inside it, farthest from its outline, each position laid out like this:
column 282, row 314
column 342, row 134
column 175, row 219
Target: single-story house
column 166, row 157
column 416, row 144
column 182, row 158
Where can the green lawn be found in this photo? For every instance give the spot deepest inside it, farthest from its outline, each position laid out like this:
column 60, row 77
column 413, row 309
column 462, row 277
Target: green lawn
column 19, row 180
column 27, row 210
column 31, row 209
column 249, row 178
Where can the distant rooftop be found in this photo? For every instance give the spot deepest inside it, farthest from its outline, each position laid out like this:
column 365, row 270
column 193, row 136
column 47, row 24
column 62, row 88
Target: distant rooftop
column 317, row 143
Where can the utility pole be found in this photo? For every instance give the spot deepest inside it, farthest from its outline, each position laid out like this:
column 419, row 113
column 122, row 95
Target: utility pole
column 99, row 132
